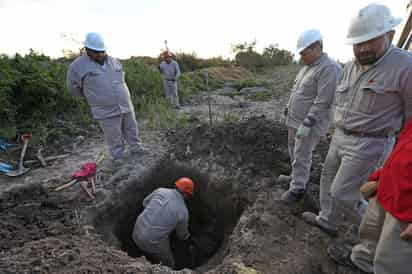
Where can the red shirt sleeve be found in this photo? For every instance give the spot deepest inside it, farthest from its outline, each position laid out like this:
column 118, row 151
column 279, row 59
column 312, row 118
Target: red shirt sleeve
column 375, row 175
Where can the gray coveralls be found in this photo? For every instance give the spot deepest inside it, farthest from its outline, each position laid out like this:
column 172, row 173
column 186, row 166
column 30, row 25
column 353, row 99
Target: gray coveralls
column 170, row 73
column 108, row 96
column 382, row 251
column 313, row 95
column 165, row 211
column 371, row 106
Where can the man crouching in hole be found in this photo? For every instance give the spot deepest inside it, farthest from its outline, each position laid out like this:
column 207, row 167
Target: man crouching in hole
column 164, row 211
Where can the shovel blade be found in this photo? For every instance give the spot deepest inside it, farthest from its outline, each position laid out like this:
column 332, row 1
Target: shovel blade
column 17, row 173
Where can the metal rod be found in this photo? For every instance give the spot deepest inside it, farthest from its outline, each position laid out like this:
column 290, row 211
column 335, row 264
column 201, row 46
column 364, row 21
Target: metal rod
column 209, row 100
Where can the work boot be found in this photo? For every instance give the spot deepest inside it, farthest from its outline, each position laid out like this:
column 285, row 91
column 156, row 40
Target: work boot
column 284, row 179
column 341, row 254
column 290, row 197
column 138, row 150
column 312, row 219
column 110, row 166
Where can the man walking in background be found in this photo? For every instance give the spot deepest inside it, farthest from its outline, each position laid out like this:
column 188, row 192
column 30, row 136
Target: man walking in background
column 308, row 111
column 372, row 101
column 100, row 79
column 170, row 71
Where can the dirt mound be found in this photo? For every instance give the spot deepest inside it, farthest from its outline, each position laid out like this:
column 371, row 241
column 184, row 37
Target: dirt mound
column 69, row 254
column 229, row 73
column 271, row 238
column 256, row 146
column 29, row 214
column 39, row 233
column 234, row 164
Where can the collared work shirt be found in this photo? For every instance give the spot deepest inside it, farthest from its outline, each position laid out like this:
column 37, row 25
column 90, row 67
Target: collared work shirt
column 378, row 98
column 104, row 87
column 170, row 71
column 165, row 210
column 313, row 94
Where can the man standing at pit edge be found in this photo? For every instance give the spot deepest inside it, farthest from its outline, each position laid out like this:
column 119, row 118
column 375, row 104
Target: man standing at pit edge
column 100, row 79
column 373, row 100
column 170, row 71
column 308, row 111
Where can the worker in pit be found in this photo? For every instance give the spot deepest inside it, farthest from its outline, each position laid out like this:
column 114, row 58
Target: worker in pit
column 164, row 211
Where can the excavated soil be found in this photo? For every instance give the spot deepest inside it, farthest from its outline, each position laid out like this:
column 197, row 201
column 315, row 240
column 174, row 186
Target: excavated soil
column 236, row 218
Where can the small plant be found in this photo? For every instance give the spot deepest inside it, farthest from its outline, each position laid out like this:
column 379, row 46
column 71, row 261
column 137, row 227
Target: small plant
column 251, row 82
column 230, row 117
column 261, row 96
column 158, row 114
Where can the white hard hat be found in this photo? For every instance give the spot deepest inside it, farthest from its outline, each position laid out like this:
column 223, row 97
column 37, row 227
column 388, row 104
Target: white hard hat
column 307, row 38
column 94, row 41
column 370, row 22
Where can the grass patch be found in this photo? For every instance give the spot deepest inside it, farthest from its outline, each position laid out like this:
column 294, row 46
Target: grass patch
column 158, row 114
column 230, row 117
column 261, row 96
column 251, row 82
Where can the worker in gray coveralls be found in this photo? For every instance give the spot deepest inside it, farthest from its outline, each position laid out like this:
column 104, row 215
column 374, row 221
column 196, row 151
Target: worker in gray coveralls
column 164, row 211
column 309, row 110
column 170, row 71
column 372, row 102
column 100, row 79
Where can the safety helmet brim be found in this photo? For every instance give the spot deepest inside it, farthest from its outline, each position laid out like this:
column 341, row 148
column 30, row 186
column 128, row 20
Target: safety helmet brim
column 370, row 36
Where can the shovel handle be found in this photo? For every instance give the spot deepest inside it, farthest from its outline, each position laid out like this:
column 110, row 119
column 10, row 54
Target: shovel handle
column 23, row 152
column 66, row 185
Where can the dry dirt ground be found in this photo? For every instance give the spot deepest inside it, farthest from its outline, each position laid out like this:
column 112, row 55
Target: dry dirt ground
column 236, row 219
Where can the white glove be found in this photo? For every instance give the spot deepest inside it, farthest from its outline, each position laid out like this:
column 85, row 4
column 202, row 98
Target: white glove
column 303, row 131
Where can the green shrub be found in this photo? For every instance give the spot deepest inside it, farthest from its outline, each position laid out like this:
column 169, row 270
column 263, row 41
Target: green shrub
column 250, row 82
column 33, row 94
column 261, row 96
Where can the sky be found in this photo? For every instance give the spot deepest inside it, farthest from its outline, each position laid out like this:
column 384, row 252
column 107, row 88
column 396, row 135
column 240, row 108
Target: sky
column 208, row 28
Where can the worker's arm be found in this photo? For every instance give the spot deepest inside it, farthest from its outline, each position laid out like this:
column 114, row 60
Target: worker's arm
column 74, row 82
column 329, row 78
column 182, row 227
column 406, row 88
column 147, row 199
column 177, row 71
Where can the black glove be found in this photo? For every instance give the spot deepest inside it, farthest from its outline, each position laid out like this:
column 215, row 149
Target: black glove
column 309, row 121
column 285, row 112
column 189, row 240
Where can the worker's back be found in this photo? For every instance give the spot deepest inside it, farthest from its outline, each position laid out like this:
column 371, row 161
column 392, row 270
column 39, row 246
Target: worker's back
column 164, row 211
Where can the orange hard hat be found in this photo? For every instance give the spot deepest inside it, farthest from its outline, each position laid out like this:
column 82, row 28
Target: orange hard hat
column 185, row 185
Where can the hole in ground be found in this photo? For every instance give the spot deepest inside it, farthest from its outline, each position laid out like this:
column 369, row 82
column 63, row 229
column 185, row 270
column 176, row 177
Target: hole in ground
column 213, row 213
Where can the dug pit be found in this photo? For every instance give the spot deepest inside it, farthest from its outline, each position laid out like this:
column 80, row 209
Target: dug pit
column 213, row 213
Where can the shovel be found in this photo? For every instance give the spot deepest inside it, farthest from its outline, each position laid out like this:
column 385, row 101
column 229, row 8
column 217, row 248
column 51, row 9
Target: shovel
column 21, row 169
column 4, row 167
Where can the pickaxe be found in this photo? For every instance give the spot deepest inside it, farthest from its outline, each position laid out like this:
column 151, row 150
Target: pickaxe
column 86, row 176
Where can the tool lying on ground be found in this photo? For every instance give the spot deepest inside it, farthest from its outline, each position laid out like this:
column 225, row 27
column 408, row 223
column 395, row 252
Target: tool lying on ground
column 4, row 145
column 86, row 176
column 21, row 169
column 46, row 159
column 4, row 167
column 40, row 157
